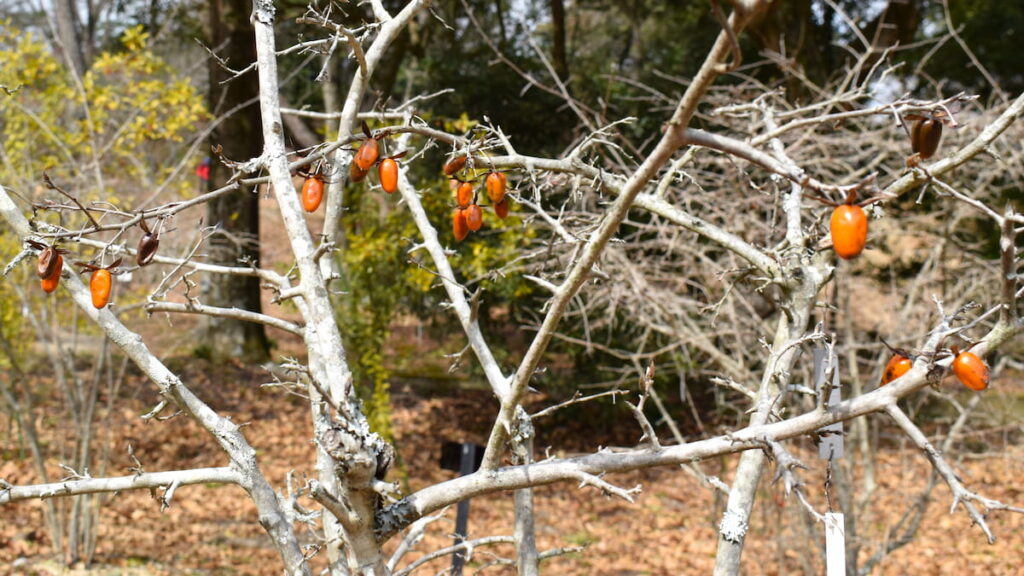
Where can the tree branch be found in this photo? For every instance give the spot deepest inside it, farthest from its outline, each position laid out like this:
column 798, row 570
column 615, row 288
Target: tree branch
column 74, row 487
column 218, row 312
column 580, row 271
column 961, row 495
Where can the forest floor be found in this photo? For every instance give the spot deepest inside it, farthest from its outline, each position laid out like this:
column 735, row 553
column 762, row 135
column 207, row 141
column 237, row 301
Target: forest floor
column 668, row 530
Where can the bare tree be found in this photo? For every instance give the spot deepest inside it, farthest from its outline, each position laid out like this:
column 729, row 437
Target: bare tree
column 742, row 279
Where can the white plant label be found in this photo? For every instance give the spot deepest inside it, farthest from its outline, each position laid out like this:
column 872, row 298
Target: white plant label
column 835, row 544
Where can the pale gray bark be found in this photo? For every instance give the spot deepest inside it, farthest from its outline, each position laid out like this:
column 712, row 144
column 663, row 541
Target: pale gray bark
column 145, row 480
column 525, row 531
column 347, row 452
column 433, row 498
column 673, row 138
column 801, row 299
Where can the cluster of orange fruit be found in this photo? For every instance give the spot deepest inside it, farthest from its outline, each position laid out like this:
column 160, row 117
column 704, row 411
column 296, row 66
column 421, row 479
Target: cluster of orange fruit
column 849, row 225
column 366, row 157
column 468, row 216
column 970, row 370
column 51, row 263
column 848, row 228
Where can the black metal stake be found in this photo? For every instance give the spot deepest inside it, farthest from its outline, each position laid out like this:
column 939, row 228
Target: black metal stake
column 468, row 458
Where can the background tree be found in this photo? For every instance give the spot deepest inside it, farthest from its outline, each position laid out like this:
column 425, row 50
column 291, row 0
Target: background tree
column 233, row 98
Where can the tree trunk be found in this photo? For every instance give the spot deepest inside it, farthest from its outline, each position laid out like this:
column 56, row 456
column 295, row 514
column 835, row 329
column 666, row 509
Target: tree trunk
column 525, row 537
column 791, row 327
column 558, row 43
column 235, row 215
column 897, row 24
column 67, row 24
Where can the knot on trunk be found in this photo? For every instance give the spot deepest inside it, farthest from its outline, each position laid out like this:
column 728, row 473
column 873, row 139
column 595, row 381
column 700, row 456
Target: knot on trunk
column 360, row 456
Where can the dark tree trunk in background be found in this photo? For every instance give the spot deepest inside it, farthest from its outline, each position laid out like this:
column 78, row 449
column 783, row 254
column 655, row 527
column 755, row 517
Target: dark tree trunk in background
column 792, row 28
column 236, row 214
column 558, row 25
column 789, row 28
column 499, row 11
column 69, row 33
column 386, row 76
column 897, row 24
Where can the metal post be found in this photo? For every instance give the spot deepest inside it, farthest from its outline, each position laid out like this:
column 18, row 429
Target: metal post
column 467, row 461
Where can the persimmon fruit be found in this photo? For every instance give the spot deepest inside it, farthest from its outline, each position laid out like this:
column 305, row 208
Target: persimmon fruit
column 474, row 217
column 355, row 173
column 897, row 366
column 925, row 136
column 454, row 165
column 47, row 261
column 50, row 282
column 849, row 229
column 459, row 224
column 312, row 193
column 99, row 287
column 148, row 244
column 367, row 155
column 388, row 171
column 501, row 208
column 464, row 194
column 496, row 185
column 970, row 370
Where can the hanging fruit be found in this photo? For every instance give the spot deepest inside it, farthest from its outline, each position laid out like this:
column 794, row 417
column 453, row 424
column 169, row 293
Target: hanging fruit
column 925, row 136
column 897, row 366
column 49, row 283
column 459, row 224
column 496, row 184
column 501, row 208
column 926, row 133
column 367, row 155
column 464, row 194
column 474, row 217
column 48, row 265
column 100, row 282
column 388, row 171
column 355, row 173
column 99, row 287
column 48, row 260
column 970, row 370
column 148, row 244
column 368, row 152
column 454, row 165
column 849, row 228
column 312, row 192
